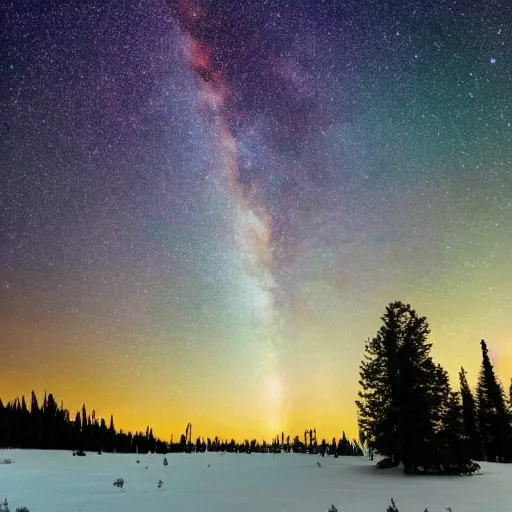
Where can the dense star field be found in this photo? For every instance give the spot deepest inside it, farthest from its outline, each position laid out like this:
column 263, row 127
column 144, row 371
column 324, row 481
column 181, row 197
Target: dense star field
column 206, row 205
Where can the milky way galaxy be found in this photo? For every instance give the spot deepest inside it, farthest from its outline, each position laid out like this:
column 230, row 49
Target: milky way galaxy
column 207, row 204
column 267, row 111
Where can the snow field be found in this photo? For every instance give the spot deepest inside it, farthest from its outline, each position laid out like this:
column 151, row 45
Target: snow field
column 55, row 481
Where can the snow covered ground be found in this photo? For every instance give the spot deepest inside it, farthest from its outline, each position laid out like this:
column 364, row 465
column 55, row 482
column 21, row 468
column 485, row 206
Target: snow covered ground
column 56, row 481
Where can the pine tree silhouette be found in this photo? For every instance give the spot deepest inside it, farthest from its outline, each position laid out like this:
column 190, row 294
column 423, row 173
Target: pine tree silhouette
column 469, row 418
column 404, row 394
column 493, row 417
column 453, row 452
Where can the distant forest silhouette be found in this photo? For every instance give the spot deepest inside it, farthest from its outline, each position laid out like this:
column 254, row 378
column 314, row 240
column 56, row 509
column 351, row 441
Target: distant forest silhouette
column 50, row 427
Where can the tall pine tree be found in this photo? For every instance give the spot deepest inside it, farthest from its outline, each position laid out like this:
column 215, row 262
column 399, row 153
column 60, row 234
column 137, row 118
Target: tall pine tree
column 453, row 454
column 469, row 418
column 404, row 394
column 493, row 415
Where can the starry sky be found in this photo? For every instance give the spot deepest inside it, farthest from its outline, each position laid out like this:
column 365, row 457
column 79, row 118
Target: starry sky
column 206, row 205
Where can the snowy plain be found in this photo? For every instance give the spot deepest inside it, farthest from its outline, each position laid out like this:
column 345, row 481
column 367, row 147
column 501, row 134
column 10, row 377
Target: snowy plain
column 55, row 481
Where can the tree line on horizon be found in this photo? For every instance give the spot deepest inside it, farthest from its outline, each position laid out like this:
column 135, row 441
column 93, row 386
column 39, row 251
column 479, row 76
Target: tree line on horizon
column 409, row 413
column 49, row 426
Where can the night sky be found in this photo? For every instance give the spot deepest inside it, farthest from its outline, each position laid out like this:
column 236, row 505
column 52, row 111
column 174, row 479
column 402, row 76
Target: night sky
column 206, row 205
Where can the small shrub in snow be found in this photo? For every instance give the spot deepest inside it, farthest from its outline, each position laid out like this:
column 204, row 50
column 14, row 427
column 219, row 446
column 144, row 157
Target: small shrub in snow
column 318, row 464
column 165, row 461
column 392, row 507
column 7, row 461
column 119, row 483
column 332, row 508
column 160, row 483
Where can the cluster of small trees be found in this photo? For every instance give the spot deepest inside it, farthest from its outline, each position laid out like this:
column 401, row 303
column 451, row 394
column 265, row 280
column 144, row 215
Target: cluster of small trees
column 310, row 445
column 4, row 507
column 394, row 508
column 488, row 418
column 278, row 445
column 49, row 426
column 410, row 414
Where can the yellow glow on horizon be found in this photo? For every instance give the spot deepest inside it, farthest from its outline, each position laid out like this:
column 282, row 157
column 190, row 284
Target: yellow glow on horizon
column 312, row 383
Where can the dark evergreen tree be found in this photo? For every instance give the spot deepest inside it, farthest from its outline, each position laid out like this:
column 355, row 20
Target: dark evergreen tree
column 323, row 447
column 453, row 452
column 183, row 442
column 151, row 441
column 84, row 419
column 404, row 393
column 34, row 406
column 77, row 426
column 493, row 415
column 469, row 418
column 332, row 448
column 110, row 435
column 356, row 449
column 344, row 447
